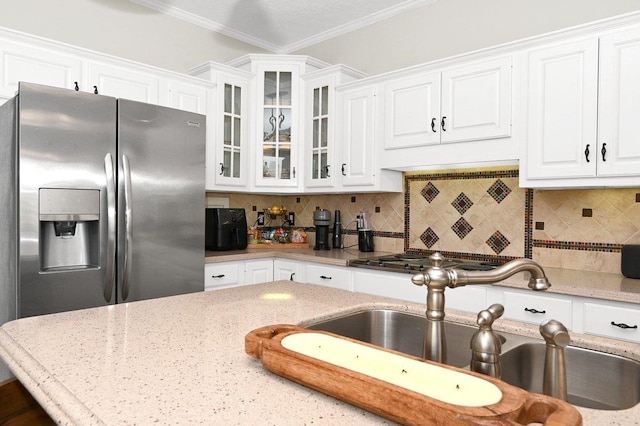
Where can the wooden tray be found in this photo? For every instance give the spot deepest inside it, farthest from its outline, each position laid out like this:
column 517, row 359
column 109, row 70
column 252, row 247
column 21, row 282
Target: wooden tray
column 279, row 246
column 513, row 406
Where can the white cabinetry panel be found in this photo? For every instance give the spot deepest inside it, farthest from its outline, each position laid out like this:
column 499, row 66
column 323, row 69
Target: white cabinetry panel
column 222, row 275
column 124, row 83
column 289, row 270
column 357, row 121
column 329, row 276
column 476, row 101
column 619, row 104
column 412, row 111
column 19, row 62
column 534, row 309
column 562, row 119
column 618, row 321
column 258, row 271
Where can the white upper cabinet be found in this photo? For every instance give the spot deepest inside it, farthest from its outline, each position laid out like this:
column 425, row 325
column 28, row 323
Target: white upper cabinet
column 583, row 102
column 123, row 82
column 412, row 111
column 562, row 114
column 24, row 62
column 465, row 103
column 429, row 109
column 476, row 101
column 322, row 143
column 619, row 104
column 227, row 127
column 357, row 123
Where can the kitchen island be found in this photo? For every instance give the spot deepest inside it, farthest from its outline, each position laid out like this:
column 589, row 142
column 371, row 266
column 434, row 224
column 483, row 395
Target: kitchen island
column 181, row 360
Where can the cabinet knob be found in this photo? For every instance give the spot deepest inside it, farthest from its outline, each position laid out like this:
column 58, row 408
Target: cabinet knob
column 291, row 277
column 324, row 277
column 344, row 172
column 442, row 123
column 603, row 151
column 534, row 311
column 326, row 171
column 217, row 276
column 221, row 169
column 294, row 172
column 433, row 124
column 95, row 90
column 75, row 86
column 586, row 153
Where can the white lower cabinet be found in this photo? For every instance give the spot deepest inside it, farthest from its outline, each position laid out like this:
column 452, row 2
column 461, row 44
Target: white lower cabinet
column 258, row 271
column 329, row 276
column 612, row 319
column 291, row 270
column 223, row 275
column 535, row 308
column 388, row 284
column 466, row 298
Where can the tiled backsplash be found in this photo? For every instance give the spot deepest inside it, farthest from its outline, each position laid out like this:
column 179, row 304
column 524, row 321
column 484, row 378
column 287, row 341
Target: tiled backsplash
column 482, row 214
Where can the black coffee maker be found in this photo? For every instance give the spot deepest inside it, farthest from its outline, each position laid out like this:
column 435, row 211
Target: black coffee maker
column 321, row 220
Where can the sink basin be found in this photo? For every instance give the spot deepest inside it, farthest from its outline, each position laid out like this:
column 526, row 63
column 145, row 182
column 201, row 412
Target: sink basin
column 401, row 331
column 594, row 379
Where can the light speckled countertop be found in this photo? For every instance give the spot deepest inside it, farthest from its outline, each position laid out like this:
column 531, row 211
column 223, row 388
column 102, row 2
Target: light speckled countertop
column 570, row 282
column 181, row 360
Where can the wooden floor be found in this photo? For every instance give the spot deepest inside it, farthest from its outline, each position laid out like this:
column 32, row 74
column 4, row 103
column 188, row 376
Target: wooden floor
column 18, row 408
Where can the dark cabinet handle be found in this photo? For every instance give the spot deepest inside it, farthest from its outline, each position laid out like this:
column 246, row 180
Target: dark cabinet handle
column 291, row 277
column 324, row 277
column 294, row 172
column 586, row 153
column 344, row 173
column 221, row 169
column 433, row 124
column 442, row 123
column 623, row 325
column 326, row 170
column 75, row 86
column 217, row 276
column 95, row 90
column 534, row 311
column 603, row 151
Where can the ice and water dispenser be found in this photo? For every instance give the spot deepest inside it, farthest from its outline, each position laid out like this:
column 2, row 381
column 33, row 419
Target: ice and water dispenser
column 69, row 229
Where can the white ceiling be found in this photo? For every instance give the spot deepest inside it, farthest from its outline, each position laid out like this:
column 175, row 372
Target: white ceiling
column 282, row 26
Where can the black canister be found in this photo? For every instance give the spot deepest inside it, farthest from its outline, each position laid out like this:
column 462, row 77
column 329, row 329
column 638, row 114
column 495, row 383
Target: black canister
column 337, row 231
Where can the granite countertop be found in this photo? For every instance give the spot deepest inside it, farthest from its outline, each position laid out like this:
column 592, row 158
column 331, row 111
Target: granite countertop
column 181, row 360
column 599, row 285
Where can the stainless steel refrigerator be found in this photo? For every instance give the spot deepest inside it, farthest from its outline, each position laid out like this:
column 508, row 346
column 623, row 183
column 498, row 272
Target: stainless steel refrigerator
column 104, row 200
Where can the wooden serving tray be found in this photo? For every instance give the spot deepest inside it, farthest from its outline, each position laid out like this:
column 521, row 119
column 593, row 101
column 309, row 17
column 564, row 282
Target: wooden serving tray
column 365, row 375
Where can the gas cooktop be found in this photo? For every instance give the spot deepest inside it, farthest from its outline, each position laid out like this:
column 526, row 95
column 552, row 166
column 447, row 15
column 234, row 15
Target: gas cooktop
column 415, row 262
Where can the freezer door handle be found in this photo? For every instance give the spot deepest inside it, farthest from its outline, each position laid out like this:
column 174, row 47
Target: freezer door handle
column 127, row 227
column 111, row 227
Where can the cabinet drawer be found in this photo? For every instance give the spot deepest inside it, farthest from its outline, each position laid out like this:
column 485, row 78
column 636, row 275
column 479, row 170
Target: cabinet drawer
column 602, row 319
column 329, row 276
column 217, row 275
column 536, row 309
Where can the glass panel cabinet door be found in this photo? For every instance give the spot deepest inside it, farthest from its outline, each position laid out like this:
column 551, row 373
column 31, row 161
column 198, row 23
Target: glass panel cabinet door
column 232, row 135
column 319, row 143
column 276, row 125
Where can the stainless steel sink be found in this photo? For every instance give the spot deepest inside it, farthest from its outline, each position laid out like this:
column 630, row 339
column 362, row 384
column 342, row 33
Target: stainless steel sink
column 594, row 379
column 403, row 332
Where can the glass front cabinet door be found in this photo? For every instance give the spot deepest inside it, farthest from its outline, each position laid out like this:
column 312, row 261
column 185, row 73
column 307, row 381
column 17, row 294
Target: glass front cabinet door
column 278, row 91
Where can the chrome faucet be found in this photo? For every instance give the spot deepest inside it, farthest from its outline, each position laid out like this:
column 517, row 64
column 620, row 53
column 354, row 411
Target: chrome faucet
column 554, row 381
column 437, row 279
column 485, row 343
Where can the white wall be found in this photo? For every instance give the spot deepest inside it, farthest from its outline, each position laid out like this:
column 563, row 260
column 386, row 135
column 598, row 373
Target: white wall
column 450, row 27
column 122, row 28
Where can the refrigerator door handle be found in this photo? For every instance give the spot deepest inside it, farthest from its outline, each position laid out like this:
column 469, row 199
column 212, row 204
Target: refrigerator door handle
column 111, row 227
column 127, row 227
